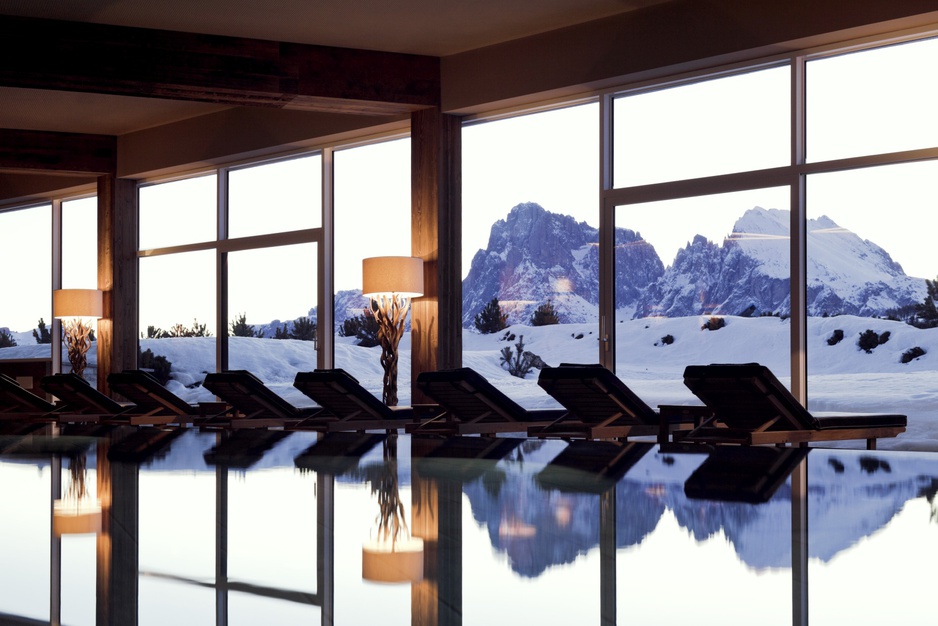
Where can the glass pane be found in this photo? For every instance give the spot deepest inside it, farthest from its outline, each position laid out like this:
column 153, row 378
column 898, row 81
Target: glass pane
column 177, row 318
column 29, row 307
column 733, row 124
column 701, row 280
column 272, row 296
column 872, row 102
column 529, row 244
column 372, row 218
column 275, row 197
column 80, row 244
column 866, row 281
column 178, row 212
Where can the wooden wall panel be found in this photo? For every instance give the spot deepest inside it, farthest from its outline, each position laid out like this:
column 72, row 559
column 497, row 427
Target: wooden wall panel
column 117, row 276
column 99, row 58
column 436, row 339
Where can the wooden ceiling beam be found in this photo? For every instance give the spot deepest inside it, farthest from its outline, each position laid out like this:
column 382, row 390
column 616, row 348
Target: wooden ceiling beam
column 118, row 60
column 57, row 153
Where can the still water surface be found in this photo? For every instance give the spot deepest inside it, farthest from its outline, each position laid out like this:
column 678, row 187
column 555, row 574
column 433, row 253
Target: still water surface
column 208, row 529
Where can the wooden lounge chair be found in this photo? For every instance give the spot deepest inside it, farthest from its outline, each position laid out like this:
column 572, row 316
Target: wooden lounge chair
column 591, row 466
column 750, row 406
column 79, row 401
column 337, row 453
column 346, row 404
column 255, row 405
column 16, row 400
column 600, row 406
column 153, row 403
column 21, row 411
column 472, row 405
column 750, row 474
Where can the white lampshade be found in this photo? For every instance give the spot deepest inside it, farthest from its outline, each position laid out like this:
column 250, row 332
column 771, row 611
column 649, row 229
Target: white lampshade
column 77, row 303
column 401, row 275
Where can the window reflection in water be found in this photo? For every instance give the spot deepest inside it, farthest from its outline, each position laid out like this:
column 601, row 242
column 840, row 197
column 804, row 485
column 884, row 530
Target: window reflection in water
column 511, row 532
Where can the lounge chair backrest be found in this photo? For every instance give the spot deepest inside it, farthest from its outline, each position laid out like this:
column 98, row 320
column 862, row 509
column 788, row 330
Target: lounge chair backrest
column 247, row 393
column 465, row 394
column 15, row 397
column 340, row 394
column 593, row 393
column 747, row 396
column 147, row 393
column 78, row 395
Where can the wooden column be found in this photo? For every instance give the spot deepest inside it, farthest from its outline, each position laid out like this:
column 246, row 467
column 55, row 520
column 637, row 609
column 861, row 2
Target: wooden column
column 436, row 234
column 119, row 544
column 117, row 276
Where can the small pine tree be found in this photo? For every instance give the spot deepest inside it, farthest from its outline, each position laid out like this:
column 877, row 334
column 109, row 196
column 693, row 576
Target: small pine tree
column 545, row 315
column 41, row 334
column 926, row 313
column 520, row 363
column 241, row 328
column 491, row 319
column 868, row 340
column 155, row 332
column 199, row 330
column 911, row 354
column 303, row 329
column 367, row 332
column 283, row 332
column 714, row 323
column 6, row 339
column 158, row 365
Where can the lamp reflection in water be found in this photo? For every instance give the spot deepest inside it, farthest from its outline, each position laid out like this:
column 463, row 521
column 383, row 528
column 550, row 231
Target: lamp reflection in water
column 392, row 555
column 77, row 513
column 391, row 282
column 77, row 308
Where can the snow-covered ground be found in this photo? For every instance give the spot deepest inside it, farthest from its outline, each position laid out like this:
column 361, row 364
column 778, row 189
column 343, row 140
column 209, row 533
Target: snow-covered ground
column 842, row 377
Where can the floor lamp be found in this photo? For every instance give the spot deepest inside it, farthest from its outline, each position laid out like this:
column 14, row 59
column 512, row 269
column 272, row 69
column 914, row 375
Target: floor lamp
column 391, row 282
column 77, row 308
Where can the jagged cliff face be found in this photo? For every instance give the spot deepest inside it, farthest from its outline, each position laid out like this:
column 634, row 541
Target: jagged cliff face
column 534, row 256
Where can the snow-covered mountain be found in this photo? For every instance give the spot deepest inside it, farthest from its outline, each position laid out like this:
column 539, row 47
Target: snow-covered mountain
column 534, row 255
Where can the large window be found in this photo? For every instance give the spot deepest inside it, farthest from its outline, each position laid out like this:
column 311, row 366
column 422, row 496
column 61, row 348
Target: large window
column 28, row 281
column 177, row 270
column 871, row 102
column 701, row 280
column 372, row 218
column 730, row 263
column 868, row 254
column 701, row 272
column 245, row 274
column 734, row 124
column 530, row 245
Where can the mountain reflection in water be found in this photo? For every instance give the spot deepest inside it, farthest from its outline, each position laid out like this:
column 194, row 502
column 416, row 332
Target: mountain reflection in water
column 210, row 528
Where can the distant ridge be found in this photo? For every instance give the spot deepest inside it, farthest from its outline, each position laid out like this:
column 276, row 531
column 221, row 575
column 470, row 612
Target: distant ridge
column 533, row 256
